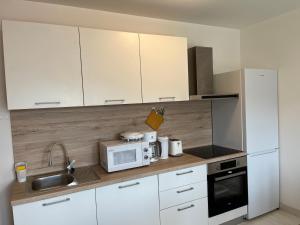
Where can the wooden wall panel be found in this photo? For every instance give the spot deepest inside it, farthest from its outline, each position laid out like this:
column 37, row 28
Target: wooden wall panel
column 81, row 129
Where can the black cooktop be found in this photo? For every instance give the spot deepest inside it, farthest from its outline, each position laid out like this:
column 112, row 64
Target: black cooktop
column 210, row 151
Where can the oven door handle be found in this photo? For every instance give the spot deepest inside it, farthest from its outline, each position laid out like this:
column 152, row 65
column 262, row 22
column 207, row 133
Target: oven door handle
column 230, row 176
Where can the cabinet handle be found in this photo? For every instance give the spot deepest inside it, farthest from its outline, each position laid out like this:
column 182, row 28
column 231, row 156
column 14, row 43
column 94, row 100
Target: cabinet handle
column 56, row 202
column 184, row 208
column 185, row 190
column 115, row 100
column 183, row 173
column 230, row 176
column 47, row 103
column 129, row 185
column 165, row 98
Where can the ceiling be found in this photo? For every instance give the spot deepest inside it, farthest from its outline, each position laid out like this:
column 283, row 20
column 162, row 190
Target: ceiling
column 227, row 13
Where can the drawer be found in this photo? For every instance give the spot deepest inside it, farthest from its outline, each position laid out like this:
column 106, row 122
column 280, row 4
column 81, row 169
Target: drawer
column 182, row 177
column 191, row 213
column 182, row 194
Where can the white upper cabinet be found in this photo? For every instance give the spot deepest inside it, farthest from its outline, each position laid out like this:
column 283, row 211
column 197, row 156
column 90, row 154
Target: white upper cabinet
column 42, row 65
column 164, row 68
column 49, row 66
column 110, row 67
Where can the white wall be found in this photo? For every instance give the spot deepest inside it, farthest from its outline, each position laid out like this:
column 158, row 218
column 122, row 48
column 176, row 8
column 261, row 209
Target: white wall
column 226, row 44
column 275, row 43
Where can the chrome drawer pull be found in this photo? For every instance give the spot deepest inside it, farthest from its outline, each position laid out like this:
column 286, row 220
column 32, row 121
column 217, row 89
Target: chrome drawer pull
column 189, row 189
column 114, row 100
column 183, row 173
column 188, row 207
column 164, row 98
column 129, row 185
column 47, row 103
column 57, row 202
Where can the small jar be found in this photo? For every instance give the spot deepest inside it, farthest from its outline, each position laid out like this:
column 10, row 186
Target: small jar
column 21, row 171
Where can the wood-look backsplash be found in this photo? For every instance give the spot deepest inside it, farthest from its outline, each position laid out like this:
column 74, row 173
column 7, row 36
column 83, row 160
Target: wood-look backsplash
column 80, row 129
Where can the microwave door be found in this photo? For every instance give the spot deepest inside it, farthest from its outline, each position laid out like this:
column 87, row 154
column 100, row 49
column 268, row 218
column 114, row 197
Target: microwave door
column 125, row 157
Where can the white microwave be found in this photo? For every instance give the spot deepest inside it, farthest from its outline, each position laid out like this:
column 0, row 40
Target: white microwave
column 122, row 155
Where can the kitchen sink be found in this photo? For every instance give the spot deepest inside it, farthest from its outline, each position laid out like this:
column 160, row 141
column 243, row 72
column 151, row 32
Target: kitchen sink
column 49, row 182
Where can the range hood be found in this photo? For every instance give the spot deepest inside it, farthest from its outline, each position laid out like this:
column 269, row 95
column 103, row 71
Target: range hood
column 200, row 60
column 216, row 96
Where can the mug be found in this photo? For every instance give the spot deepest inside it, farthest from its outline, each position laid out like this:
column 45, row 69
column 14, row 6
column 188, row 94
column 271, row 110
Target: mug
column 175, row 147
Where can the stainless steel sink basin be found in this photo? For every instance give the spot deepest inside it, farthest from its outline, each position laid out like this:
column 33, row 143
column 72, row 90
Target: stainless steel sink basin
column 53, row 181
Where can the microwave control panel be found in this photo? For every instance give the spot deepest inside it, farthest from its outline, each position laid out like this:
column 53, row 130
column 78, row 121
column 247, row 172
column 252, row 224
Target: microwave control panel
column 146, row 153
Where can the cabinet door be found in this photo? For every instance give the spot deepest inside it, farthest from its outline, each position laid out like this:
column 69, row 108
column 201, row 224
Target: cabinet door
column 191, row 213
column 164, row 68
column 110, row 66
column 73, row 209
column 42, row 65
column 129, row 203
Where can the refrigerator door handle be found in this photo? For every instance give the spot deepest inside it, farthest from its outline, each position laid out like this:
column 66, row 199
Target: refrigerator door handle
column 263, row 153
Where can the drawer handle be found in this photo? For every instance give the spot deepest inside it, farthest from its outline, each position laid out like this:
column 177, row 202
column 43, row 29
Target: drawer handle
column 47, row 103
column 129, row 185
column 184, row 208
column 115, row 100
column 183, row 173
column 165, row 98
column 57, row 202
column 185, row 190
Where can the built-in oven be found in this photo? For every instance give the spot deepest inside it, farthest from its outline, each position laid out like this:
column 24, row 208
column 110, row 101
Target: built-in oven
column 227, row 185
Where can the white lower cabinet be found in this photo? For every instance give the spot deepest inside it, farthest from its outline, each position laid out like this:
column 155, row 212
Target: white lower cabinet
column 183, row 197
column 73, row 209
column 191, row 213
column 135, row 202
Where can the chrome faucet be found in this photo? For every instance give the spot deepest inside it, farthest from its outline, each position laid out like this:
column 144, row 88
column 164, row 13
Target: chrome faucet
column 69, row 164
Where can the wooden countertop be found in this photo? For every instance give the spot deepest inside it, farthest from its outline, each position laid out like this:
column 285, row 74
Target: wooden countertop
column 88, row 177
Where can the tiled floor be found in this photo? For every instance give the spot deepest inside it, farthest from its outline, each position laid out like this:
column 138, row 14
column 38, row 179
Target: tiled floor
column 278, row 217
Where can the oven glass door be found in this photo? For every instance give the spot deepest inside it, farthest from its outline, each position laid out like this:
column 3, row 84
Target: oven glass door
column 227, row 191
